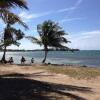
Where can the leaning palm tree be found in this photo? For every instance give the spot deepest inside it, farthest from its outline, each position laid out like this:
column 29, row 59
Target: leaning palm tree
column 51, row 35
column 10, row 34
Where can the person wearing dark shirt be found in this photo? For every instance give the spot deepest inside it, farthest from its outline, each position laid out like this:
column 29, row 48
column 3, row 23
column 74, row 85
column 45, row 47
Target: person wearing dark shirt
column 11, row 60
column 22, row 60
column 32, row 60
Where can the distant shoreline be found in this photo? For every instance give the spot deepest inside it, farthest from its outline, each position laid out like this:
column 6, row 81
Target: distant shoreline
column 33, row 50
column 44, row 50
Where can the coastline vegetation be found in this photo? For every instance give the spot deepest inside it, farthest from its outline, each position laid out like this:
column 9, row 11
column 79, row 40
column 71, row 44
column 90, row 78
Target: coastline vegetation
column 23, row 50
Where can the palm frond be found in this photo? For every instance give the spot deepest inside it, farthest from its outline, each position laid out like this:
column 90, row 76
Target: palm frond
column 9, row 43
column 39, row 29
column 11, row 18
column 13, row 3
column 52, row 34
column 16, row 43
column 18, row 34
column 34, row 40
column 11, row 36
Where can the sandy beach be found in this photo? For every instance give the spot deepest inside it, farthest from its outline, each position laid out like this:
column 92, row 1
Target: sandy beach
column 49, row 85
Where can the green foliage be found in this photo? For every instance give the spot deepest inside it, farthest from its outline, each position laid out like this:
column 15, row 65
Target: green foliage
column 11, row 36
column 51, row 34
column 34, row 40
column 11, row 18
column 13, row 3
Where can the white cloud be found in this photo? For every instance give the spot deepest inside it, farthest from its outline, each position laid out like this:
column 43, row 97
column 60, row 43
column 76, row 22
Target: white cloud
column 71, row 19
column 26, row 45
column 2, row 24
column 66, row 9
column 78, row 2
column 71, row 8
column 28, row 17
column 85, row 40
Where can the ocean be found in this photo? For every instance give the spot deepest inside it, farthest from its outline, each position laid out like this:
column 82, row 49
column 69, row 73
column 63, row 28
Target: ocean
column 80, row 58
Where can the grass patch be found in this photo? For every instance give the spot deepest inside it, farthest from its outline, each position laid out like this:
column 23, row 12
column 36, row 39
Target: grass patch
column 76, row 72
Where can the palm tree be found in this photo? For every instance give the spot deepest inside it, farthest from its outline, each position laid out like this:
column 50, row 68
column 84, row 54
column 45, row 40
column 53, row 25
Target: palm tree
column 12, row 3
column 51, row 35
column 10, row 19
column 4, row 11
column 11, row 35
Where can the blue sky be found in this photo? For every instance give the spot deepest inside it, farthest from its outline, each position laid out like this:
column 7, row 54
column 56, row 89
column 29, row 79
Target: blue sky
column 79, row 18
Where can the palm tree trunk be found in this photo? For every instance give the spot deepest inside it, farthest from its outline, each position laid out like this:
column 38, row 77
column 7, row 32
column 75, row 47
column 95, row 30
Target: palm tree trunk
column 4, row 54
column 5, row 38
column 46, row 51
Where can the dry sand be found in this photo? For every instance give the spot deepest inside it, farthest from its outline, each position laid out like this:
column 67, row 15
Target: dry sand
column 32, row 72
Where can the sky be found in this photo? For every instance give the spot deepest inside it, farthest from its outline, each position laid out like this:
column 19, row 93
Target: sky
column 79, row 18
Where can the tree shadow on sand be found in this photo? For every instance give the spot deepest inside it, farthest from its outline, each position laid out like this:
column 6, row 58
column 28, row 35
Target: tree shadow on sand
column 17, row 87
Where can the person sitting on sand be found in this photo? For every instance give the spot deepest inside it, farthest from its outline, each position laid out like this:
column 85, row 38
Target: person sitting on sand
column 32, row 60
column 22, row 60
column 11, row 60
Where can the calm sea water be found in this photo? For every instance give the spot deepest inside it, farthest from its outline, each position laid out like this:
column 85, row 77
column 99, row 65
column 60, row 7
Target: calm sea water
column 89, row 57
